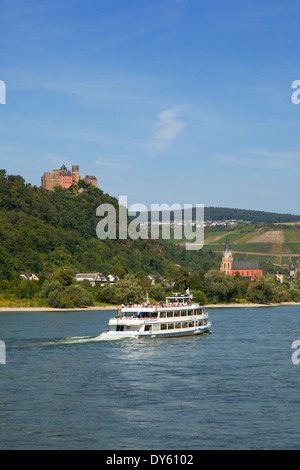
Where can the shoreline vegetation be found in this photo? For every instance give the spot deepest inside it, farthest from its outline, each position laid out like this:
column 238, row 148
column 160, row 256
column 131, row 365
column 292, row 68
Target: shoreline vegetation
column 115, row 307
column 43, row 246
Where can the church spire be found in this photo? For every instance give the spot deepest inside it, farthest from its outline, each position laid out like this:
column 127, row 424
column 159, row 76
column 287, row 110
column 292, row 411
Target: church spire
column 227, row 258
column 227, row 245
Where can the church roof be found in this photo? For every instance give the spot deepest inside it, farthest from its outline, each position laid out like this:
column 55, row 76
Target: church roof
column 246, row 264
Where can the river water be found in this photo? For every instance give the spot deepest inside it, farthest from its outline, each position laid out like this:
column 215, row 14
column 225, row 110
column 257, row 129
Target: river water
column 65, row 387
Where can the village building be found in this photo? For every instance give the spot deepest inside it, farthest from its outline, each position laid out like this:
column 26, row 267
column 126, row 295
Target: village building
column 96, row 278
column 294, row 270
column 92, row 278
column 248, row 269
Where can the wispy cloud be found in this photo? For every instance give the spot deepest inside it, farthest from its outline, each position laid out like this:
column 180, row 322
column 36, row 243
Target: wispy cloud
column 168, row 127
column 260, row 158
column 112, row 163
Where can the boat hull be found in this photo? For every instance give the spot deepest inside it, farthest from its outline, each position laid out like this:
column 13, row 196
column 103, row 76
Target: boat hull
column 160, row 334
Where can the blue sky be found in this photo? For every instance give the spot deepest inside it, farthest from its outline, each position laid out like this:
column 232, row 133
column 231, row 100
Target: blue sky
column 165, row 101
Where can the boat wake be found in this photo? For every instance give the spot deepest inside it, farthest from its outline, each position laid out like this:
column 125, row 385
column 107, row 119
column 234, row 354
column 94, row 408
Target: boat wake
column 55, row 342
column 82, row 340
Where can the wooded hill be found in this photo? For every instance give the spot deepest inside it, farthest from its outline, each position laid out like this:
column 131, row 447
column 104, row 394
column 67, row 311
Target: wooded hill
column 222, row 213
column 41, row 231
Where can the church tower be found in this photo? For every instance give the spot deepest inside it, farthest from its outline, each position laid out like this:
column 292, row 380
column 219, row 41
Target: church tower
column 227, row 258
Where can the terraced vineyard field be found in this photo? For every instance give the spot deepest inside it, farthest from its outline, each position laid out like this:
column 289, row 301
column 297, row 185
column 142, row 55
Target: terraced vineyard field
column 271, row 243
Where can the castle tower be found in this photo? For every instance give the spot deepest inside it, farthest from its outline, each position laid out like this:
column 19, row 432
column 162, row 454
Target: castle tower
column 292, row 271
column 75, row 173
column 227, row 258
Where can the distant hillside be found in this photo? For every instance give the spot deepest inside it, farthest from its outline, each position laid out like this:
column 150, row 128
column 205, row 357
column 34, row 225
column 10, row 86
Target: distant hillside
column 270, row 243
column 221, row 213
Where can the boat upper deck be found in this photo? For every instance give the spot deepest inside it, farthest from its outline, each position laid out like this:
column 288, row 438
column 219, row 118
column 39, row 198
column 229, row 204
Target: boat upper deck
column 176, row 301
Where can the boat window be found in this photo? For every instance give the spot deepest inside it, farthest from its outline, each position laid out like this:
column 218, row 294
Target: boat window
column 169, row 314
column 200, row 322
column 182, row 313
column 170, row 326
column 148, row 327
column 154, row 315
column 178, row 325
column 177, row 313
column 156, row 327
column 190, row 312
column 184, row 324
column 191, row 324
column 162, row 314
column 131, row 314
column 163, row 326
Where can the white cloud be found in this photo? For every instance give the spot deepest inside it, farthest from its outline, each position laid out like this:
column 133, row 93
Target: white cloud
column 168, row 127
column 113, row 163
column 260, row 158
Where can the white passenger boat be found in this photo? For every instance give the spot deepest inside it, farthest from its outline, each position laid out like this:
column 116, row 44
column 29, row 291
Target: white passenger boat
column 178, row 316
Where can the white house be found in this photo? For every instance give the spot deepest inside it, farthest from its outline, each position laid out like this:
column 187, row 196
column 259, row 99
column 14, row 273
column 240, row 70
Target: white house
column 93, row 278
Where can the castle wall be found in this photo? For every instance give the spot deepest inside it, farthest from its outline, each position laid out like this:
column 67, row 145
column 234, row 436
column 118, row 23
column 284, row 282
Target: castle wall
column 65, row 178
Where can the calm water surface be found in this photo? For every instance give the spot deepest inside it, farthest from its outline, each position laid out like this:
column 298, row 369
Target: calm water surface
column 64, row 387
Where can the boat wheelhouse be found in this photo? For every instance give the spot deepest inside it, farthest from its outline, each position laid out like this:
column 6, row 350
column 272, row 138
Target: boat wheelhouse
column 178, row 316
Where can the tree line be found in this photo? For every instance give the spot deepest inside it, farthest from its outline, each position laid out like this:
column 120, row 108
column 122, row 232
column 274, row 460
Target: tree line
column 212, row 287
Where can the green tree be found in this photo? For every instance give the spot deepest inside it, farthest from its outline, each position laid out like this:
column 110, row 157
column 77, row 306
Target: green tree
column 261, row 291
column 157, row 292
column 199, row 297
column 50, row 286
column 55, row 299
column 295, row 294
column 218, row 286
column 77, row 296
column 64, row 276
column 129, row 291
column 194, row 282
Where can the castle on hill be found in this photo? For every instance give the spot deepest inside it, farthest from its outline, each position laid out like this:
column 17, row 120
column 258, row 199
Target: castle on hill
column 248, row 269
column 65, row 178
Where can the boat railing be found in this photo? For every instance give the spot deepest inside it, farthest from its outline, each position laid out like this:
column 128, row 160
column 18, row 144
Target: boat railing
column 159, row 305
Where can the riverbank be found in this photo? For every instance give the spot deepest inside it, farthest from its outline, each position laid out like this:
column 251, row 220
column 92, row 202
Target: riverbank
column 50, row 309
column 115, row 307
